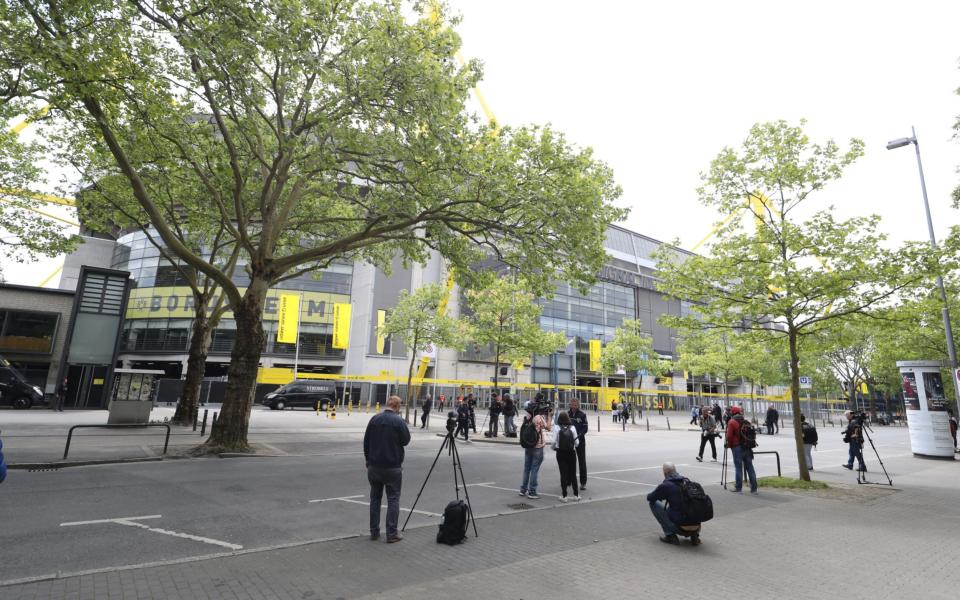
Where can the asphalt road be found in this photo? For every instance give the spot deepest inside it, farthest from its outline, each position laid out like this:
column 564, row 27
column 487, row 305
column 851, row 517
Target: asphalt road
column 105, row 516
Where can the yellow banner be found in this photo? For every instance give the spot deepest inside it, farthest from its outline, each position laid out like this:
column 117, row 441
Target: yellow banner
column 595, row 349
column 381, row 340
column 177, row 303
column 341, row 325
column 289, row 323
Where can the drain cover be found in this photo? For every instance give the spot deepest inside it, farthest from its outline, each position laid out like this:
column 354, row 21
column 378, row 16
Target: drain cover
column 520, row 506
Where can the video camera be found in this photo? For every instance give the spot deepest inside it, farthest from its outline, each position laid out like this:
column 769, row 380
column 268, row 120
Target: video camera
column 451, row 421
column 542, row 405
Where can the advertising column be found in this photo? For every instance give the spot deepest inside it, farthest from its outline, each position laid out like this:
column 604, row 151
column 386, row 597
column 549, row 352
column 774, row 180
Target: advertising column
column 926, row 408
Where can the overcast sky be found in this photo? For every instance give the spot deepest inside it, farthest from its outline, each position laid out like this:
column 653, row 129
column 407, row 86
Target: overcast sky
column 658, row 89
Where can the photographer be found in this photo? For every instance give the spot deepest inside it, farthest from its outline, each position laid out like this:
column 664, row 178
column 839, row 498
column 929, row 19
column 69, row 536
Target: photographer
column 708, row 432
column 853, row 435
column 463, row 420
column 495, row 408
column 472, row 407
column 539, row 417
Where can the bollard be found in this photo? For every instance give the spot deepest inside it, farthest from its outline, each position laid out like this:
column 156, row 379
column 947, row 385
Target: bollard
column 668, row 423
column 333, row 411
column 648, row 423
column 203, row 428
column 349, row 402
column 213, row 422
column 414, row 416
column 196, row 415
column 598, row 423
column 376, row 409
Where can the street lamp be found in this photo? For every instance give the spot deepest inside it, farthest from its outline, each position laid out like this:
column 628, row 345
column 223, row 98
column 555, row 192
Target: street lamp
column 951, row 351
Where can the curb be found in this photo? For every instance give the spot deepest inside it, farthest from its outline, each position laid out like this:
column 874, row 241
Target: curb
column 80, row 463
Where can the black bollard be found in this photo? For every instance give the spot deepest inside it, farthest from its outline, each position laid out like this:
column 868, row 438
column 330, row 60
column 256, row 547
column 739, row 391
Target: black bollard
column 203, row 428
column 196, row 414
column 648, row 423
column 668, row 423
column 598, row 423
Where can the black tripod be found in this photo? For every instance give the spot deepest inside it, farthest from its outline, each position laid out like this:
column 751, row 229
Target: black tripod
column 450, row 443
column 723, row 473
column 862, row 474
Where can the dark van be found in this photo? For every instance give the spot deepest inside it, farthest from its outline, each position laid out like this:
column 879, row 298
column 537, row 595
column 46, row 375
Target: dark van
column 14, row 389
column 301, row 392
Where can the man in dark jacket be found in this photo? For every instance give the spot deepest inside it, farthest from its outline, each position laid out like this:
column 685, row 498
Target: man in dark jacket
column 427, row 406
column 579, row 420
column 665, row 506
column 495, row 408
column 472, row 405
column 463, row 420
column 509, row 412
column 717, row 412
column 742, row 456
column 383, row 443
column 776, row 420
column 771, row 417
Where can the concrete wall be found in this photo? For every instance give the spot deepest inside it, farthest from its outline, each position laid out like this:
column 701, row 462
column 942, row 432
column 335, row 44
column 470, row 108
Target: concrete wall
column 93, row 252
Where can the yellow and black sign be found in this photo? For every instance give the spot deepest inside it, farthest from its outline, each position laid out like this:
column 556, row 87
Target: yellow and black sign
column 595, row 349
column 289, row 324
column 341, row 325
column 177, row 303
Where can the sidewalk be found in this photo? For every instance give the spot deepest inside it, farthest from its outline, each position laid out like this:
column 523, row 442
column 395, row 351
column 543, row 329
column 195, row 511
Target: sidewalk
column 864, row 543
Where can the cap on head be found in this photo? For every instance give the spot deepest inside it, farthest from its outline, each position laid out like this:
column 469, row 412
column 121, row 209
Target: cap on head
column 735, row 410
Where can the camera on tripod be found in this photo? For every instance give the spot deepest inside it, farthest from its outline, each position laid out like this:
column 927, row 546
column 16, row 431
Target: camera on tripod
column 451, row 421
column 542, row 405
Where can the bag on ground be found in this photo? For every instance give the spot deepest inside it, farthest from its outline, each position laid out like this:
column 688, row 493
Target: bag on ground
column 695, row 504
column 453, row 525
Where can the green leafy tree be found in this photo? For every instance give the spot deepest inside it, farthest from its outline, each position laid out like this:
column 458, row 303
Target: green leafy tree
column 316, row 130
column 416, row 323
column 801, row 269
column 710, row 352
column 632, row 350
column 504, row 315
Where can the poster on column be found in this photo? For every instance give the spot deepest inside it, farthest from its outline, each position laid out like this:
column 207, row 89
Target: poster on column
column 936, row 397
column 910, row 397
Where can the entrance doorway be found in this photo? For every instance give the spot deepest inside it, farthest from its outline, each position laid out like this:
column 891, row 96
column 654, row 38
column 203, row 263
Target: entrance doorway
column 86, row 386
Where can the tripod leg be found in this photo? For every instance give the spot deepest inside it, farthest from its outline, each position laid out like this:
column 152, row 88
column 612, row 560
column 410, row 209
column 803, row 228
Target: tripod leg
column 723, row 472
column 446, row 440
column 466, row 493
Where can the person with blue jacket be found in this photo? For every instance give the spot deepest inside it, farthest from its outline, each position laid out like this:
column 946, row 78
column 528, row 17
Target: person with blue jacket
column 665, row 505
column 383, row 443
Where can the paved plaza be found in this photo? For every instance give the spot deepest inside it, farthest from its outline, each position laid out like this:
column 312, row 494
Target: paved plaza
column 292, row 524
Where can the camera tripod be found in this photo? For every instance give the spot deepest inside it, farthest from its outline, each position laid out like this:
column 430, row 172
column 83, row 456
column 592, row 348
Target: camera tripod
column 862, row 474
column 450, row 443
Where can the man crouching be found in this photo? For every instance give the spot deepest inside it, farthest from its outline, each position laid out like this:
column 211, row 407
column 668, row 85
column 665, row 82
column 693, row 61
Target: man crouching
column 665, row 504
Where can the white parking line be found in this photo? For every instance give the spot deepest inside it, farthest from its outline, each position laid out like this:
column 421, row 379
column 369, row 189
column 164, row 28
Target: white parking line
column 132, row 522
column 592, row 476
column 631, row 469
column 363, row 503
column 338, row 498
column 496, row 487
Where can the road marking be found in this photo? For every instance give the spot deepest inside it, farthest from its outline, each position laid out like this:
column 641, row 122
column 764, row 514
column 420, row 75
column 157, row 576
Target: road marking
column 632, row 469
column 496, row 487
column 338, row 498
column 592, row 476
column 362, row 503
column 132, row 522
column 484, row 483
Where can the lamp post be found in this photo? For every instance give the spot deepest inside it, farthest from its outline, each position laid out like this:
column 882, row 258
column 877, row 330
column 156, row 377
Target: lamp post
column 951, row 350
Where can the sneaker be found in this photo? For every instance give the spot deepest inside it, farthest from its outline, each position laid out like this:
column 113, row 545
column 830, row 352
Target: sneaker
column 564, row 499
column 374, row 536
column 522, row 494
column 754, row 492
column 669, row 539
column 737, row 491
column 394, row 539
column 576, row 498
column 699, row 459
column 848, row 467
column 583, row 486
column 713, row 460
column 809, row 468
column 695, row 539
column 533, row 496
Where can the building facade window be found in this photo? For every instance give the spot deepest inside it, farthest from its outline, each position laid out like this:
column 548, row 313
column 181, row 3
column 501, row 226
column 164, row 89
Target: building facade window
column 27, row 332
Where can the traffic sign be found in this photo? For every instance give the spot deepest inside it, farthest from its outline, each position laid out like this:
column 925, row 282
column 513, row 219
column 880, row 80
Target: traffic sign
column 805, row 382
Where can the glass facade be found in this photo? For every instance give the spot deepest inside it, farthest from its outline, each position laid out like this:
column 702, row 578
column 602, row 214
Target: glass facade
column 27, row 332
column 159, row 317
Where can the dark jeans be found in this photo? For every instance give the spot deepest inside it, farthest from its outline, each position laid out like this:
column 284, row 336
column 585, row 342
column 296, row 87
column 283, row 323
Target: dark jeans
column 391, row 479
column 473, row 420
column 582, row 459
column 462, row 427
column 567, row 461
column 855, row 451
column 703, row 444
column 423, row 419
column 495, row 424
column 743, row 460
column 659, row 510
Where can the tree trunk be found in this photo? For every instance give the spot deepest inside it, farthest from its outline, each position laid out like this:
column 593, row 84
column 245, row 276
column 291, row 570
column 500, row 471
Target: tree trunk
column 413, row 359
column 196, row 364
column 852, row 403
column 496, row 369
column 795, row 402
column 234, row 419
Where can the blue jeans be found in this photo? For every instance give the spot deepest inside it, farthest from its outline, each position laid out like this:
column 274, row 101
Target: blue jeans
column 659, row 510
column 856, row 451
column 532, row 459
column 508, row 425
column 391, row 479
column 743, row 459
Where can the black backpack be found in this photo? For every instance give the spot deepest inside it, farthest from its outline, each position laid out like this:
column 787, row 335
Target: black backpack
column 748, row 433
column 566, row 440
column 695, row 504
column 453, row 525
column 529, row 436
column 809, row 433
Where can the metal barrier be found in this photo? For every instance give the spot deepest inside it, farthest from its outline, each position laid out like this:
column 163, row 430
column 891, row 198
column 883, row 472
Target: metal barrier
column 166, row 440
column 778, row 459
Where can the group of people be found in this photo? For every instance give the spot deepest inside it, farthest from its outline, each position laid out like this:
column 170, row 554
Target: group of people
column 569, row 443
column 466, row 414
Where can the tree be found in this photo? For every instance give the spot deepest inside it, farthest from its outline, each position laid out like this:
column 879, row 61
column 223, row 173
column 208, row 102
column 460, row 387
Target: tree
column 800, row 270
column 416, row 323
column 632, row 350
column 317, row 130
column 709, row 352
column 506, row 316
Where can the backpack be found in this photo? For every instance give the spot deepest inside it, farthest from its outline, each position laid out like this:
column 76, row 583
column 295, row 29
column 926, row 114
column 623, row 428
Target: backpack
column 695, row 504
column 809, row 433
column 453, row 525
column 529, row 436
column 566, row 440
column 748, row 433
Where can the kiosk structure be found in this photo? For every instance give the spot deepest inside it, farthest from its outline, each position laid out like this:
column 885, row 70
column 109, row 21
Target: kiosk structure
column 926, row 408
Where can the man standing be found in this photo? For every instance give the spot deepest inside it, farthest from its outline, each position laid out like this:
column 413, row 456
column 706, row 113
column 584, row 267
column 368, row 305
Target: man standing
column 427, row 406
column 854, row 437
column 694, row 413
column 776, row 420
column 463, row 420
column 953, row 428
column 768, row 421
column 810, row 437
column 383, row 443
column 742, row 456
column 533, row 453
column 472, row 405
column 579, row 420
column 509, row 412
column 665, row 503
column 495, row 408
column 708, row 431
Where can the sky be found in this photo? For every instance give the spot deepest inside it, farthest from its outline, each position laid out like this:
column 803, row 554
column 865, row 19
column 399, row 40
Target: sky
column 657, row 89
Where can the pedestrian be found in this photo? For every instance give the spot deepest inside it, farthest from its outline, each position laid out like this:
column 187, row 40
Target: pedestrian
column 509, row 412
column 531, row 438
column 625, row 414
column 708, row 431
column 616, row 408
column 953, row 428
column 660, row 406
column 383, row 443
column 579, row 420
column 853, row 435
column 427, row 406
column 463, row 419
column 776, row 420
column 472, row 405
column 495, row 409
column 740, row 439
column 666, row 504
column 565, row 444
column 62, row 394
column 441, row 401
column 726, row 416
column 3, row 464
column 694, row 414
column 718, row 414
column 809, row 431
column 768, row 420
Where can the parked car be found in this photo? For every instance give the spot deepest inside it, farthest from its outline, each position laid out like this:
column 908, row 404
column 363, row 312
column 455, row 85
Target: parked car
column 301, row 392
column 14, row 388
